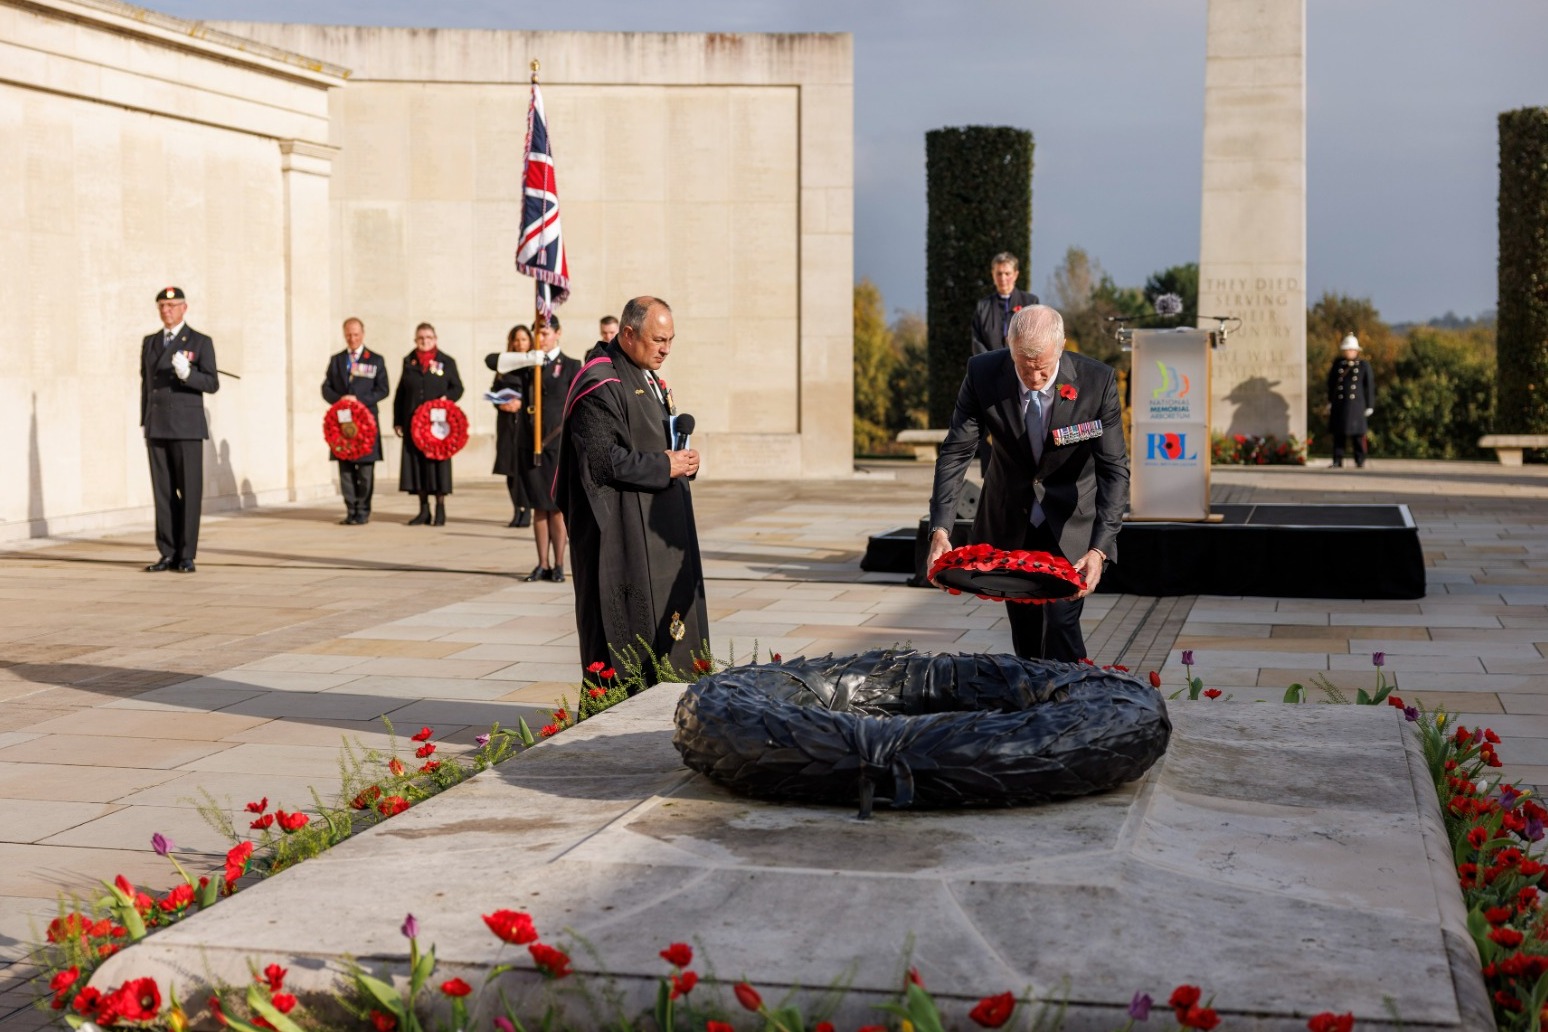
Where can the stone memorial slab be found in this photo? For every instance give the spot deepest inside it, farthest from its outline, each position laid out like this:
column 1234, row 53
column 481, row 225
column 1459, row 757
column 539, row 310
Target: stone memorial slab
column 1288, row 859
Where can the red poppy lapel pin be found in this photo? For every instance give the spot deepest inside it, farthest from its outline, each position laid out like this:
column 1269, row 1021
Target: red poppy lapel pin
column 1068, row 392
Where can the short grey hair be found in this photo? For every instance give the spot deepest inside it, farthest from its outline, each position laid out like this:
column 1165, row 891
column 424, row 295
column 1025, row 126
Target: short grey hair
column 1034, row 329
column 1005, row 258
column 636, row 310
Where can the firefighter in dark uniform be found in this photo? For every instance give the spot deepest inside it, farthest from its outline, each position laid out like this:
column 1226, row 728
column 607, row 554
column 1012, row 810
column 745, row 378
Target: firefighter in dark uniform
column 177, row 369
column 1351, row 399
column 360, row 375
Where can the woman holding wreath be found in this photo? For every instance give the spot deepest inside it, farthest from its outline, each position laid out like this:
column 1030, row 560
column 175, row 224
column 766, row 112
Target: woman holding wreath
column 510, row 426
column 428, row 374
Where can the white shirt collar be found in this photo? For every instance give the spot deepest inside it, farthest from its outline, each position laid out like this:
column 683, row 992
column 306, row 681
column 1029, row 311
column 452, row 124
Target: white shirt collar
column 174, row 331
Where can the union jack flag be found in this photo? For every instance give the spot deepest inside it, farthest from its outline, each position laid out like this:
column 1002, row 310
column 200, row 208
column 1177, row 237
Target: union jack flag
column 541, row 251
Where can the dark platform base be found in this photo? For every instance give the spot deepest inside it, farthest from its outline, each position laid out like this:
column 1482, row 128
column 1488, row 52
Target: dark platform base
column 1275, row 551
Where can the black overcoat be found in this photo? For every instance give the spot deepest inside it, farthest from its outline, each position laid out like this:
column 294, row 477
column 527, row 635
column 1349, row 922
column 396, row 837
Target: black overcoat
column 508, row 425
column 634, row 546
column 417, row 473
column 1351, row 390
column 990, row 317
column 1082, row 486
column 367, row 382
column 173, row 409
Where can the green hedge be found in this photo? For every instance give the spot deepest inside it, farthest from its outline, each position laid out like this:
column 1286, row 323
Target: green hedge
column 1523, row 289
column 979, row 190
column 1440, row 401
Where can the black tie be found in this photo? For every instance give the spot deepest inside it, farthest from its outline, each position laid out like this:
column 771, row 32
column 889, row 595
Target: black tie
column 1005, row 314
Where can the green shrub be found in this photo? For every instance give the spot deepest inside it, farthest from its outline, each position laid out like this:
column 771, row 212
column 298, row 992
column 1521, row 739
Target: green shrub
column 979, row 191
column 1441, row 398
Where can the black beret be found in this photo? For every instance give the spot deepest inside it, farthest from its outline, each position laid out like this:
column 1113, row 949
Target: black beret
column 170, row 294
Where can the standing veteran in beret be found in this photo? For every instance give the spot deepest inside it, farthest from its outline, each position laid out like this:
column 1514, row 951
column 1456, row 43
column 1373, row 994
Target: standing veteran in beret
column 1058, row 479
column 177, row 369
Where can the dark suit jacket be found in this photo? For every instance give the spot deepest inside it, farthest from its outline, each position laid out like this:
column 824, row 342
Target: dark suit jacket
column 1083, row 487
column 368, row 389
column 989, row 319
column 173, row 409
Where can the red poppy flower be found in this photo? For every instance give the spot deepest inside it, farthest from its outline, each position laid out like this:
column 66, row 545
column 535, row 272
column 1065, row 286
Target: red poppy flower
column 263, row 822
column 683, row 984
column 1202, row 1018
column 290, row 822
column 428, row 749
column 180, row 897
column 365, row 799
column 1183, row 997
column 549, row 730
column 383, row 1022
column 718, row 1026
column 993, row 1011
column 774, row 657
column 702, row 666
column 273, row 976
column 561, row 714
column 1327, row 1021
column 258, row 807
column 87, row 1000
column 64, row 979
column 913, row 976
column 236, row 862
column 595, row 668
column 608, row 674
column 136, row 1000
column 596, row 693
column 1155, row 679
column 1507, row 937
column 455, row 987
column 823, row 1026
column 283, row 1002
column 679, row 954
column 422, row 735
column 553, row 963
column 392, row 806
column 748, row 997
column 514, row 926
column 1068, row 392
column 396, row 766
column 1394, row 701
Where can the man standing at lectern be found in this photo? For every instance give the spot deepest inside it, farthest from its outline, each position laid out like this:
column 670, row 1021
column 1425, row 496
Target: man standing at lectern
column 1058, row 476
column 177, row 369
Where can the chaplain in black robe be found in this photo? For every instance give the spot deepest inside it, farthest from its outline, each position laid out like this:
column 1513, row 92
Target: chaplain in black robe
column 624, row 491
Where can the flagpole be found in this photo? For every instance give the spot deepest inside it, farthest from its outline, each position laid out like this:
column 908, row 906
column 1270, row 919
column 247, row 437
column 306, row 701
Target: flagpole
column 537, row 370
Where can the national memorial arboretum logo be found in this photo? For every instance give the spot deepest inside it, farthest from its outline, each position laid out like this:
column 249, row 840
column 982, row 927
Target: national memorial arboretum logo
column 1171, row 399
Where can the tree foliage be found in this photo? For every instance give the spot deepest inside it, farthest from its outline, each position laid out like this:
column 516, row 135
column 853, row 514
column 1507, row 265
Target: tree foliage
column 1523, row 272
column 979, row 192
column 891, row 373
column 1087, row 298
column 1182, row 280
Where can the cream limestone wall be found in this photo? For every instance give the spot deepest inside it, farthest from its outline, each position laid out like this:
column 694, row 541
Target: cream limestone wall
column 142, row 151
column 1252, row 250
column 714, row 171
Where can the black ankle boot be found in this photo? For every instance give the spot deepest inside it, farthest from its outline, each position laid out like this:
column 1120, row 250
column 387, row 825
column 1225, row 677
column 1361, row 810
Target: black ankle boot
column 440, row 513
column 523, row 518
column 424, row 515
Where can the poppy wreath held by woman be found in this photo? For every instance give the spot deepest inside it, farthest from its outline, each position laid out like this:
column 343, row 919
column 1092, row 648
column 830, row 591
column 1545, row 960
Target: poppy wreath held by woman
column 996, row 575
column 352, row 438
column 439, row 438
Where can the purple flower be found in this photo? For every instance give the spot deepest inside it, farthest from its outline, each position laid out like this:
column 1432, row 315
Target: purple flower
column 504, row 1024
column 482, row 740
column 1187, row 657
column 1139, row 1007
column 1533, row 832
column 161, row 844
column 1410, row 713
column 410, row 927
column 1379, row 659
column 1508, row 796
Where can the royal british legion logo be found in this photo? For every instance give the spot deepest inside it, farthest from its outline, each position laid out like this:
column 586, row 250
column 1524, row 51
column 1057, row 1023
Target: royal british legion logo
column 1169, row 448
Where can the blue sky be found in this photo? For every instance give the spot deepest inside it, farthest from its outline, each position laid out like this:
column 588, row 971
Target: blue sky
column 1402, row 97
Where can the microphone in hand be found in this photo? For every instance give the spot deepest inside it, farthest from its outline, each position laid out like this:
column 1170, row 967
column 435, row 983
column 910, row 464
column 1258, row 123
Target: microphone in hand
column 682, row 430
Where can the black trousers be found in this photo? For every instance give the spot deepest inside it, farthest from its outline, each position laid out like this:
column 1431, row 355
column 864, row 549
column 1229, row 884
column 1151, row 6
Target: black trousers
column 177, row 481
column 357, row 480
column 1359, row 441
column 1050, row 630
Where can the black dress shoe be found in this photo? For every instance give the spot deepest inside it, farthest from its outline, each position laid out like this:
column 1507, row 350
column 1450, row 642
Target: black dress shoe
column 440, row 515
column 349, row 521
column 558, row 575
column 363, row 518
column 159, row 566
column 420, row 520
column 523, row 518
column 186, row 566
column 538, row 573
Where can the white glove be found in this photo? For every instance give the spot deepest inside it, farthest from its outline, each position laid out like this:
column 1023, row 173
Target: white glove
column 1369, row 411
column 510, row 361
column 180, row 365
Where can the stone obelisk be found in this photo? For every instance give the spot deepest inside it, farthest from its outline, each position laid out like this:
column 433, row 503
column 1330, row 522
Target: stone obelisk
column 1252, row 244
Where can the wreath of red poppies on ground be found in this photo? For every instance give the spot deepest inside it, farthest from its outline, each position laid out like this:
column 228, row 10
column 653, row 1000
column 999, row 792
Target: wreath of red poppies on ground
column 1042, row 569
column 424, row 438
column 353, row 440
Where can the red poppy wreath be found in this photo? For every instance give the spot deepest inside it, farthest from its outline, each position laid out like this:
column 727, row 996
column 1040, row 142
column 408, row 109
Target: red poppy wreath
column 439, row 438
column 352, row 438
column 996, row 575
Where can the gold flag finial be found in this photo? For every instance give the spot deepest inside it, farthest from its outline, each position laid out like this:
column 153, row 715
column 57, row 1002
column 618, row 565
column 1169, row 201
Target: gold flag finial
column 535, row 67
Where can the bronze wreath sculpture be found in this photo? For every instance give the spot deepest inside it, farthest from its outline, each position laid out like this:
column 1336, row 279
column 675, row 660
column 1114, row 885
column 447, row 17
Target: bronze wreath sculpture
column 920, row 730
column 353, row 440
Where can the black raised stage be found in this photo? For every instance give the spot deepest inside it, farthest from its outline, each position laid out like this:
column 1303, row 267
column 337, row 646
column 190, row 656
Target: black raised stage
column 1277, row 551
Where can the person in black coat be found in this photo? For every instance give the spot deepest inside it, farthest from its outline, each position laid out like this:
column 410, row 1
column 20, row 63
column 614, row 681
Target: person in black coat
column 177, row 369
column 537, row 472
column 991, row 319
column 1351, row 400
column 509, row 426
column 1058, row 477
column 359, row 375
column 428, row 374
